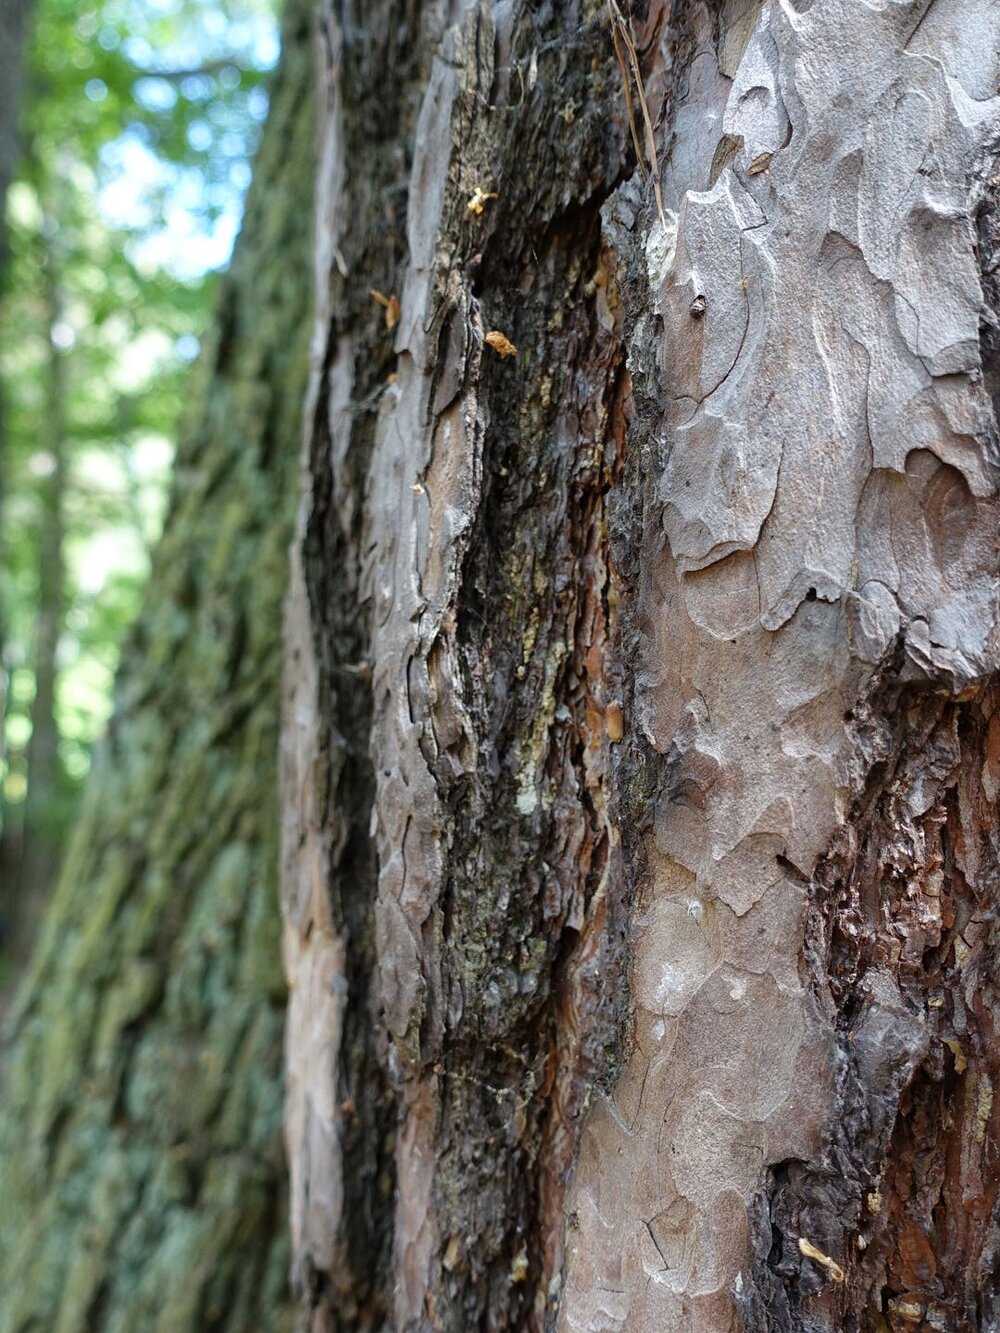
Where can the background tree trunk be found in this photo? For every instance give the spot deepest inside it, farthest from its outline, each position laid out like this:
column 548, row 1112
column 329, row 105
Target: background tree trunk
column 640, row 752
column 14, row 19
column 140, row 1117
column 36, row 840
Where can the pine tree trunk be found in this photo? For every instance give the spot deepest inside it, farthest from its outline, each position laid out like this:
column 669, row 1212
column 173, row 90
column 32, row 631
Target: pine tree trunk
column 640, row 756
column 140, row 1118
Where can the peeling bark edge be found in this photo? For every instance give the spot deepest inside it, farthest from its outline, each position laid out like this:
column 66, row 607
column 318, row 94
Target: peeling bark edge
column 752, row 497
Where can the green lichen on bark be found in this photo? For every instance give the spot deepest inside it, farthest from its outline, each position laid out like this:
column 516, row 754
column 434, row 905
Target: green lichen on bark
column 140, row 1128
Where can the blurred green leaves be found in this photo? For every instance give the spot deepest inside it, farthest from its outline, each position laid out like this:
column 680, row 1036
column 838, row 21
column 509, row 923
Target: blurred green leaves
column 140, row 117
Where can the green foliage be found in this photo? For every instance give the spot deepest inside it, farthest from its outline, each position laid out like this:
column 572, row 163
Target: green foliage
column 140, row 119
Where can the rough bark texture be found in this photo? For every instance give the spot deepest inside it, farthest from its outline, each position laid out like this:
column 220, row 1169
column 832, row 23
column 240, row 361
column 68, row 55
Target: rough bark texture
column 448, row 980
column 640, row 758
column 140, row 1117
column 825, row 483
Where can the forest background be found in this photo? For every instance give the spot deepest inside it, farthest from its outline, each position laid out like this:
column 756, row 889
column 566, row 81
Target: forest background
column 137, row 123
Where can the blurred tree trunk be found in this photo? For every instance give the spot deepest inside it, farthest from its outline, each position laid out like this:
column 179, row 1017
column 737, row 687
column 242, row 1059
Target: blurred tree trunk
column 641, row 747
column 14, row 18
column 39, row 837
column 141, row 1105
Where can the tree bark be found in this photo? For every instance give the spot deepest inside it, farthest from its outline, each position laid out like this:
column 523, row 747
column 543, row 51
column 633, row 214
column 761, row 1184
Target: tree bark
column 640, row 742
column 140, row 1117
column 37, row 839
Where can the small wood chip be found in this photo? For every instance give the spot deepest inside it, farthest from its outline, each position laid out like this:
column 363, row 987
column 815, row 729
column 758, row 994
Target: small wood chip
column 452, row 1252
column 390, row 304
column 961, row 1064
column 500, row 343
column 480, row 198
column 818, row 1257
column 613, row 723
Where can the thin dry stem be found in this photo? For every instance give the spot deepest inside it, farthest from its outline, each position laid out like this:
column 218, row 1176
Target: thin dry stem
column 621, row 34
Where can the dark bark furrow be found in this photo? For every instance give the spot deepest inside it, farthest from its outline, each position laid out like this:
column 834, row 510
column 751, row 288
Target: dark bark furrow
column 904, row 928
column 371, row 72
column 516, row 966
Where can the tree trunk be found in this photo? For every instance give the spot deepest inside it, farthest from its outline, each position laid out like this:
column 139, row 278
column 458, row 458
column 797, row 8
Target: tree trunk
column 140, row 1117
column 14, row 19
column 41, row 823
column 640, row 755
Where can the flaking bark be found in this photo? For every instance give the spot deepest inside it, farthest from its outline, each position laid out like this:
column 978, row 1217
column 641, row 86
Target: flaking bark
column 659, row 660
column 463, row 494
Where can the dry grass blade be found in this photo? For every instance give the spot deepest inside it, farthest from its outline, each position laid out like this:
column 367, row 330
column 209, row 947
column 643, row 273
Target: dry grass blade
column 627, row 87
column 810, row 1251
column 624, row 45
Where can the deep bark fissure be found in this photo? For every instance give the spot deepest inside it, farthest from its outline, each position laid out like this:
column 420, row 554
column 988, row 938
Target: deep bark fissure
column 371, row 72
column 525, row 869
column 534, row 630
column 905, row 1198
column 361, row 1087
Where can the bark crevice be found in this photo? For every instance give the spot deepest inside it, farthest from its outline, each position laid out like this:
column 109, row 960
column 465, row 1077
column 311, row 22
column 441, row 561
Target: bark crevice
column 901, row 945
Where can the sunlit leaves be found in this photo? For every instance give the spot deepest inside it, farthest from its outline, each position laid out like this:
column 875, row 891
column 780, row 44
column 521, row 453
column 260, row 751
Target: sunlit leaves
column 141, row 116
